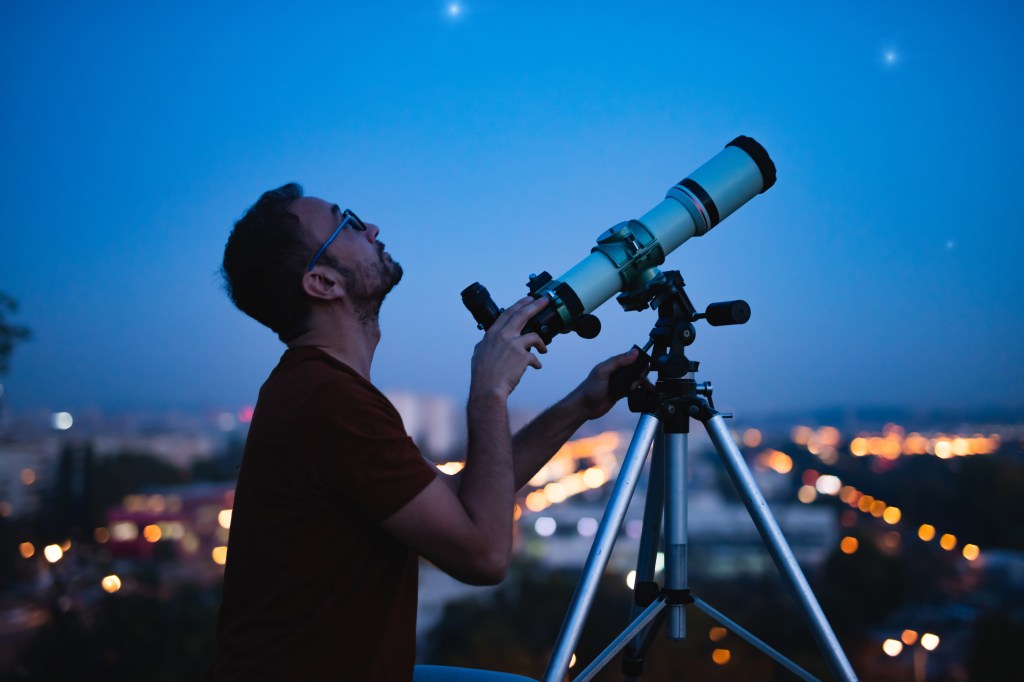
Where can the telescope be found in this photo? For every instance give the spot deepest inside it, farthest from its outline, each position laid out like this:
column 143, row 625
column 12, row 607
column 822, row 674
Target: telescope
column 627, row 256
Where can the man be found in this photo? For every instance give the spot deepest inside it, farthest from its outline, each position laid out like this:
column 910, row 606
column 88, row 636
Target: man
column 334, row 503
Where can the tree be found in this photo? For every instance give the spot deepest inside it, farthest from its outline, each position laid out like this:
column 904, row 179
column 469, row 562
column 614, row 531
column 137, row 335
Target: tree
column 9, row 333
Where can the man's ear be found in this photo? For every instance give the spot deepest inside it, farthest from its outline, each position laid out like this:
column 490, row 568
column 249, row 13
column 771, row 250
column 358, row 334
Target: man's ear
column 323, row 283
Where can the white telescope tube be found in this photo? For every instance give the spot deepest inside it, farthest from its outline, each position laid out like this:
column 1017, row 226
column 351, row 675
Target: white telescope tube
column 629, row 253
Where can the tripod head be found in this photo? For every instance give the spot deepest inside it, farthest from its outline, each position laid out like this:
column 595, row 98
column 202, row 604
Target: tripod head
column 673, row 331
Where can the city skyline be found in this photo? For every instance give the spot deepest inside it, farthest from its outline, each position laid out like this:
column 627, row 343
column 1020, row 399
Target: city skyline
column 497, row 141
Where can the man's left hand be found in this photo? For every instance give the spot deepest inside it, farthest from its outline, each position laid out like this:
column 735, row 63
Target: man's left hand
column 593, row 396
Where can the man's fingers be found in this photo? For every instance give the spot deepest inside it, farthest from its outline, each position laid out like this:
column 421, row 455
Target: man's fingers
column 533, row 340
column 521, row 311
column 623, row 359
column 618, row 361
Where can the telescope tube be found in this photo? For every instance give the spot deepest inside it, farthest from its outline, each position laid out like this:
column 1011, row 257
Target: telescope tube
column 628, row 254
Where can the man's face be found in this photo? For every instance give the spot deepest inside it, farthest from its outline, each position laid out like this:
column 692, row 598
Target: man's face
column 367, row 269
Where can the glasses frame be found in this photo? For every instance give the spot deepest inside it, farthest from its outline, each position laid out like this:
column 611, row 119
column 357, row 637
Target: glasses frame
column 348, row 217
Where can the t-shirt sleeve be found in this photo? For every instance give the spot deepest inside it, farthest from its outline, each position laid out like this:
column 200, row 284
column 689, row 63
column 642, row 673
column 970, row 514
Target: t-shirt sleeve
column 365, row 455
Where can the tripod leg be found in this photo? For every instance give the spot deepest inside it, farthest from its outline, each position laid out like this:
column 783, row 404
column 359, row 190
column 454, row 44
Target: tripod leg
column 778, row 548
column 676, row 534
column 645, row 590
column 600, row 551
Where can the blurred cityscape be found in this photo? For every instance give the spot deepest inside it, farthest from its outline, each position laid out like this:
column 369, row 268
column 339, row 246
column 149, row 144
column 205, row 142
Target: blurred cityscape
column 114, row 530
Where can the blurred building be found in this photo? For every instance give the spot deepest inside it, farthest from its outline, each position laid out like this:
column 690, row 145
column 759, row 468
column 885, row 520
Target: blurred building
column 185, row 522
column 432, row 421
column 26, row 473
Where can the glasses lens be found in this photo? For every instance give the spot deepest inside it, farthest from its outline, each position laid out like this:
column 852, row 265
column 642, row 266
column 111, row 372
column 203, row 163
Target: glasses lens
column 354, row 222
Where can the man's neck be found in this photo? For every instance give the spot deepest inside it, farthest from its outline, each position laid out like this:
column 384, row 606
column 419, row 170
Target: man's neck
column 352, row 342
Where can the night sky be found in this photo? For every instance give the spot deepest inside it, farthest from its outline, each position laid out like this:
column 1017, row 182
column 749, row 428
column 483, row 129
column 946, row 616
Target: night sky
column 491, row 140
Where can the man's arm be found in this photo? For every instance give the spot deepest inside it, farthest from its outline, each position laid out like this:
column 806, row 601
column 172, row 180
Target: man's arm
column 467, row 532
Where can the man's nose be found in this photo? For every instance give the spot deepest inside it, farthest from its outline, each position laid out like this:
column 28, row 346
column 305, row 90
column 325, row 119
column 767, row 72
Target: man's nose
column 372, row 231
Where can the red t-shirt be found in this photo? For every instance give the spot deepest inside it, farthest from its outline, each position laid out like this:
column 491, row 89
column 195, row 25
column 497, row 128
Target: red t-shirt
column 314, row 588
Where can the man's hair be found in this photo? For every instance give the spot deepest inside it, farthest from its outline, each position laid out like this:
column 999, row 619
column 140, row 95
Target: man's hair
column 265, row 257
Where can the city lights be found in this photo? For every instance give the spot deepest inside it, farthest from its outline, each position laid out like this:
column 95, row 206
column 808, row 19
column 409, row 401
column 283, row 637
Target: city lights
column 28, row 477
column 815, row 483
column 587, row 526
column 717, row 634
column 849, row 545
column 721, row 656
column 908, row 637
column 124, row 531
column 545, row 526
column 929, row 641
column 892, row 647
column 827, row 485
column 224, row 518
column 892, row 444
column 631, row 579
column 451, row 468
column 806, row 494
column 27, row 550
column 220, row 555
column 111, row 583
column 559, row 479
column 778, row 462
column 53, row 553
column 62, row 421
column 595, row 477
column 152, row 533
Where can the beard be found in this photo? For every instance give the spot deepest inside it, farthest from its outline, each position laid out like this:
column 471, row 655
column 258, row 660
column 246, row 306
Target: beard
column 369, row 285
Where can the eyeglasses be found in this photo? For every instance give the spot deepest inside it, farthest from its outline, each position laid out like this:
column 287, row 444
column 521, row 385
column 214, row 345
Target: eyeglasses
column 348, row 217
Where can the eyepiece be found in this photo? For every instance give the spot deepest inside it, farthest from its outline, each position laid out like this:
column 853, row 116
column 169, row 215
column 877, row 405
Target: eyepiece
column 478, row 301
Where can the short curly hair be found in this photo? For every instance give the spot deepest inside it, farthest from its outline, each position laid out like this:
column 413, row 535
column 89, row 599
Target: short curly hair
column 265, row 257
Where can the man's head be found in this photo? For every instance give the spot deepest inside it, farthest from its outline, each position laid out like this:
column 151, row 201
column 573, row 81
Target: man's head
column 268, row 255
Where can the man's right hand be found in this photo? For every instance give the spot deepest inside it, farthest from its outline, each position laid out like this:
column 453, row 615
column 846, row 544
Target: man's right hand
column 501, row 358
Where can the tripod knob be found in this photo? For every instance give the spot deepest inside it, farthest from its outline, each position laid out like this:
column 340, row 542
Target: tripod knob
column 686, row 333
column 727, row 312
column 587, row 326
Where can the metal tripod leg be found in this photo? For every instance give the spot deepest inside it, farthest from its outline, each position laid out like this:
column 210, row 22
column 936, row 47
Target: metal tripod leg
column 645, row 590
column 778, row 548
column 604, row 540
column 676, row 533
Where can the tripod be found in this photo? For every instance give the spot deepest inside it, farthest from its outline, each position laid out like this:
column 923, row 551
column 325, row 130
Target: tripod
column 666, row 409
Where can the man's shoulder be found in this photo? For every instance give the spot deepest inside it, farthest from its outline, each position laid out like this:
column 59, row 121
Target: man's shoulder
column 330, row 390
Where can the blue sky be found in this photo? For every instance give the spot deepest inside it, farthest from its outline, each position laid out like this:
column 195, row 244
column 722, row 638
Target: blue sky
column 883, row 267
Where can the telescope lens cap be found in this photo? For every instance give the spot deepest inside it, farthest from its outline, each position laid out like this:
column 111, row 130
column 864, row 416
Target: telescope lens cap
column 760, row 156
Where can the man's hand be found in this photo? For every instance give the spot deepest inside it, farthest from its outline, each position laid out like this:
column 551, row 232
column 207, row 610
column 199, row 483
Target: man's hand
column 593, row 396
column 503, row 355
